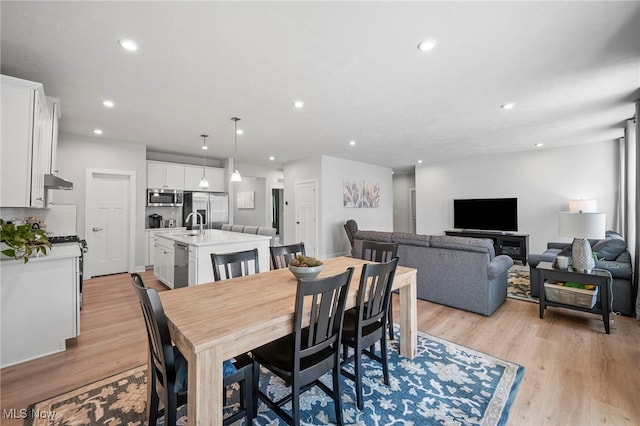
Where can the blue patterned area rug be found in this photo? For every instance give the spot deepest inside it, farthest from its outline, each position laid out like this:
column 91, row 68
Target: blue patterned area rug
column 446, row 384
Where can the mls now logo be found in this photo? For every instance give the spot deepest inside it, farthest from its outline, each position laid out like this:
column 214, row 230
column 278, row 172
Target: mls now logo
column 14, row 413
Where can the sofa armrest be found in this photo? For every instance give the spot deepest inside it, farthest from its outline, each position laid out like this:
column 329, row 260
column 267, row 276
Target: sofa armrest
column 498, row 266
column 617, row 269
column 554, row 245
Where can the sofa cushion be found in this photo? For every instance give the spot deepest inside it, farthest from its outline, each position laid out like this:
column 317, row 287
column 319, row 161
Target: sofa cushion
column 411, row 239
column 482, row 245
column 609, row 249
column 373, row 236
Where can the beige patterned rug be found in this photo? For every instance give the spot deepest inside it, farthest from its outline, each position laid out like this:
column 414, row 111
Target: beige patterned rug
column 518, row 286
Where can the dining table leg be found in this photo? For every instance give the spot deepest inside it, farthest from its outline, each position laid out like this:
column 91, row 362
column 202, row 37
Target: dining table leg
column 205, row 399
column 409, row 318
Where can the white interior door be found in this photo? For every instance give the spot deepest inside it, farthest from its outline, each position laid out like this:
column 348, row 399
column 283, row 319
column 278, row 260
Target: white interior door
column 306, row 216
column 107, row 223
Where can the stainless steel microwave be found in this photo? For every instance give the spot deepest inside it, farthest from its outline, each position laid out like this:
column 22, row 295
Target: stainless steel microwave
column 164, row 198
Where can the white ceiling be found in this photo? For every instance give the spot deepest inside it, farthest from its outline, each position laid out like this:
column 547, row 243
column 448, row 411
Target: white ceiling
column 572, row 68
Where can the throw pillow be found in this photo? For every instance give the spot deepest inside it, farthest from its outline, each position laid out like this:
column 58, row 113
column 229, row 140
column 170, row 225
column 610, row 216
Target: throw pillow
column 609, row 249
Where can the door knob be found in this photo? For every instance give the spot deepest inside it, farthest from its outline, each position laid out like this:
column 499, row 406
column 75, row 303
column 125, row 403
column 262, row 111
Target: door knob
column 96, row 229
column 297, row 222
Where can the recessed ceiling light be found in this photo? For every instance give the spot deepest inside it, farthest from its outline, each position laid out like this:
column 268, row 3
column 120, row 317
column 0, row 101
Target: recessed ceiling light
column 298, row 104
column 419, row 161
column 352, row 143
column 127, row 44
column 108, row 103
column 97, row 131
column 240, row 132
column 272, row 158
column 508, row 105
column 538, row 145
column 426, row 45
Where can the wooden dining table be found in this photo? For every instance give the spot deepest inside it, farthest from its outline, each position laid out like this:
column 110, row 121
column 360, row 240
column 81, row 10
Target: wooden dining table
column 212, row 322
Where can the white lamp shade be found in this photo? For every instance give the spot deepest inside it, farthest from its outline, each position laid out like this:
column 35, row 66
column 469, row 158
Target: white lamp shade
column 583, row 206
column 581, row 225
column 235, row 177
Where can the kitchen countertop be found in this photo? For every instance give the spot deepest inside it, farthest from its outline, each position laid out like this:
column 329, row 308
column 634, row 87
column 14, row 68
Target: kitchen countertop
column 58, row 251
column 213, row 237
column 178, row 228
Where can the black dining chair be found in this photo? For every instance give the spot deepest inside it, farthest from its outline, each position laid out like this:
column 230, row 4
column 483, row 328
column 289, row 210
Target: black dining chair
column 378, row 251
column 301, row 358
column 365, row 324
column 168, row 369
column 236, row 264
column 281, row 255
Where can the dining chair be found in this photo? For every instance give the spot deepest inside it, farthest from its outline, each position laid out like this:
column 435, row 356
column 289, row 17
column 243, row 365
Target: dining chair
column 301, row 358
column 281, row 255
column 236, row 264
column 378, row 251
column 226, row 227
column 365, row 324
column 168, row 369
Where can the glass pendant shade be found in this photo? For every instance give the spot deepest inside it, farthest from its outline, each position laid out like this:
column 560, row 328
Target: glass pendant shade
column 235, row 176
column 204, row 184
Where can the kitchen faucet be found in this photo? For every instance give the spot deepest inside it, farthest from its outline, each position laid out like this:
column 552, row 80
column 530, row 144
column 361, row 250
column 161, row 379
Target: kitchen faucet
column 194, row 218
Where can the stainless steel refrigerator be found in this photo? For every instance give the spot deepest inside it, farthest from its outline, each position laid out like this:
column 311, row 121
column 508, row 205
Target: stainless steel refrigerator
column 212, row 206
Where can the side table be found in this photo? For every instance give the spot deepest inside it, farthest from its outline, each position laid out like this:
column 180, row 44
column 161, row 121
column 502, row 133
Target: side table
column 599, row 278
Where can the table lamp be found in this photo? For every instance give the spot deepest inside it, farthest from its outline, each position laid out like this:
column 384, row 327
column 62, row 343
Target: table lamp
column 582, row 226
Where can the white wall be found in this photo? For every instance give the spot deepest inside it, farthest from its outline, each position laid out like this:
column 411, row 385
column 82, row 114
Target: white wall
column 333, row 214
column 402, row 185
column 77, row 153
column 330, row 173
column 543, row 180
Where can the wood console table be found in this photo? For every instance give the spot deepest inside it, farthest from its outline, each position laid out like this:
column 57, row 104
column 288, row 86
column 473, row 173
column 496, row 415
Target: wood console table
column 516, row 246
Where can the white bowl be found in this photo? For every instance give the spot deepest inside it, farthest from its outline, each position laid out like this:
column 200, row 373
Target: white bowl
column 305, row 273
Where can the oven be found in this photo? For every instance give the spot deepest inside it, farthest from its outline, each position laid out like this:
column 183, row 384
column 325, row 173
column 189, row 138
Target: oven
column 82, row 244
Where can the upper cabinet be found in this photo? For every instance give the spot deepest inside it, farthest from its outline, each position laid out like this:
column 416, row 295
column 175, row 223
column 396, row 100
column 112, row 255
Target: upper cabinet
column 193, row 175
column 165, row 175
column 25, row 144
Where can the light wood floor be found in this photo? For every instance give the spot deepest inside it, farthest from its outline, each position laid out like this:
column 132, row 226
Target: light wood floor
column 575, row 374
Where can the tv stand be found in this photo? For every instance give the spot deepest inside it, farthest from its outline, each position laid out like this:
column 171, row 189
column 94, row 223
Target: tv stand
column 513, row 245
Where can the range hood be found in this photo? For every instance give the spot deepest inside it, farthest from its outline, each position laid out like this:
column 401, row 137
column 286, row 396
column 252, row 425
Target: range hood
column 55, row 182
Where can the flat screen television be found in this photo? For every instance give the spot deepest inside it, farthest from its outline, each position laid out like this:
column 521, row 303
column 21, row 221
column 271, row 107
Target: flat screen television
column 486, row 214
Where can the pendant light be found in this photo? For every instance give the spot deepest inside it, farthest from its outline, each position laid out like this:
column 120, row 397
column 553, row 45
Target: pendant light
column 204, row 184
column 235, row 176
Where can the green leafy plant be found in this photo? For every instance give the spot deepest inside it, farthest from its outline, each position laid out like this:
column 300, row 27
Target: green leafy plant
column 22, row 241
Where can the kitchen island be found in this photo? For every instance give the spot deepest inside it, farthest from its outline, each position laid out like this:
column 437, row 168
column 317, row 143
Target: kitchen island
column 40, row 304
column 185, row 258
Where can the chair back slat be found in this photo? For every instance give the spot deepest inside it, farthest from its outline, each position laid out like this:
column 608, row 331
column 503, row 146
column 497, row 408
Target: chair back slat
column 282, row 255
column 374, row 293
column 322, row 302
column 377, row 251
column 235, row 264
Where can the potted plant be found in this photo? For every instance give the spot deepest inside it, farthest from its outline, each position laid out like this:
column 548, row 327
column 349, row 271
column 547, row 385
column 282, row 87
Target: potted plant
column 22, row 241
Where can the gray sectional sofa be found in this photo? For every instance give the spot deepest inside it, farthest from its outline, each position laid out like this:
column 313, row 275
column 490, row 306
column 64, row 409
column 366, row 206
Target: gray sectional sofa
column 460, row 272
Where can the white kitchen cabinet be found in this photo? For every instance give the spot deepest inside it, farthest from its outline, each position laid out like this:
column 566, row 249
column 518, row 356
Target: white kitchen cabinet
column 165, row 175
column 193, row 265
column 164, row 259
column 150, row 241
column 24, row 119
column 50, row 147
column 40, row 305
column 215, row 176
